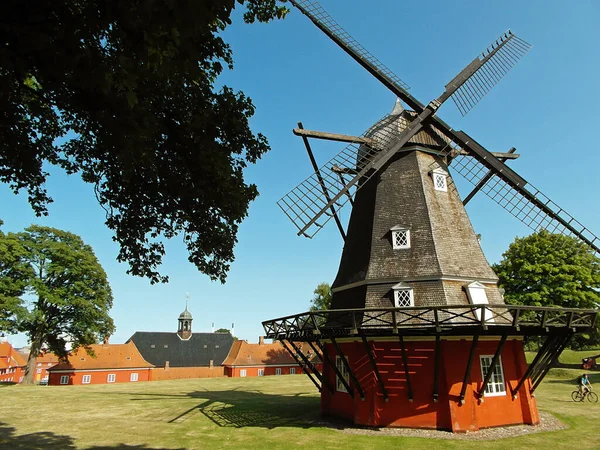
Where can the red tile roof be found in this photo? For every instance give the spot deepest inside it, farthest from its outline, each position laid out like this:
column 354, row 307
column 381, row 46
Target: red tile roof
column 10, row 356
column 46, row 358
column 107, row 356
column 245, row 354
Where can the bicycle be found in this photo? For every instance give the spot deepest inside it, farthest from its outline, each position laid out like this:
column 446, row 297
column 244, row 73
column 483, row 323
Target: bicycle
column 579, row 396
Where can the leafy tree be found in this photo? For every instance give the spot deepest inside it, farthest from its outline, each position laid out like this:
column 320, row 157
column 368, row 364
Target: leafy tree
column 546, row 269
column 14, row 275
column 322, row 298
column 123, row 93
column 225, row 330
column 70, row 293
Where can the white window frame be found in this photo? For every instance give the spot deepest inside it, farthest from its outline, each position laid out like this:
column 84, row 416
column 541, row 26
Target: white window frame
column 278, row 371
column 86, row 379
column 292, row 371
column 396, row 232
column 477, row 296
column 111, row 378
column 400, row 291
column 440, row 179
column 242, row 373
column 64, row 379
column 261, row 372
column 133, row 376
column 339, row 386
column 38, row 371
column 496, row 386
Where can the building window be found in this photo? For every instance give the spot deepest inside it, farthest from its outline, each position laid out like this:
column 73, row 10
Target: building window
column 400, row 237
column 339, row 385
column 496, row 384
column 440, row 182
column 86, row 379
column 39, row 364
column 477, row 296
column 133, row 377
column 152, row 346
column 49, row 364
column 111, row 378
column 205, row 346
column 64, row 379
column 217, row 346
column 403, row 295
column 278, row 371
column 261, row 372
column 242, row 372
column 166, row 346
column 292, row 371
column 38, row 371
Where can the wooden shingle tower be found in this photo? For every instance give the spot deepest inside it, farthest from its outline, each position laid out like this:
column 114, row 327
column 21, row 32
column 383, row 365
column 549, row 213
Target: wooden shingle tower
column 418, row 334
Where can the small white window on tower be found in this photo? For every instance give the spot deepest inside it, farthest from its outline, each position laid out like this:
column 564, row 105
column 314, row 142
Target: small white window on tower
column 439, row 177
column 477, row 296
column 400, row 237
column 403, row 295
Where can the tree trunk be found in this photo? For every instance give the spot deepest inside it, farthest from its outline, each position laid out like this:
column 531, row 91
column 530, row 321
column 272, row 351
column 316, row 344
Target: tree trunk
column 36, row 347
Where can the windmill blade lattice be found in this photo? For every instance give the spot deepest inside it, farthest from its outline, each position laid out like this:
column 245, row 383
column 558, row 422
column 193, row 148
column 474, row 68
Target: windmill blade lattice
column 526, row 203
column 307, row 201
column 501, row 56
column 321, row 18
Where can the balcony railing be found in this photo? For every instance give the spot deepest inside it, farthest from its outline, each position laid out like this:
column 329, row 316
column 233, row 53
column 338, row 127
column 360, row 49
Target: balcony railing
column 431, row 320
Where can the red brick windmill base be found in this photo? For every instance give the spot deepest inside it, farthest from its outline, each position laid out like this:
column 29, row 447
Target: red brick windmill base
column 423, row 412
column 458, row 367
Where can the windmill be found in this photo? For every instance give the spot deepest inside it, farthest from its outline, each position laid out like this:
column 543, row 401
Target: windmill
column 419, row 334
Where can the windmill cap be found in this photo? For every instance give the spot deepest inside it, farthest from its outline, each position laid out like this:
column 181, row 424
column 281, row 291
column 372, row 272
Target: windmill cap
column 398, row 108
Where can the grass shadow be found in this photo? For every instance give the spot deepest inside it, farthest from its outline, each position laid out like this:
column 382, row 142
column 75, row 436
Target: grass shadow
column 243, row 408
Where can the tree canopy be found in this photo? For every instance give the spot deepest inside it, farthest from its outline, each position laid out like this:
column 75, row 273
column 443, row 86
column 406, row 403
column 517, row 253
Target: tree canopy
column 68, row 294
column 14, row 276
column 322, row 298
column 124, row 95
column 546, row 269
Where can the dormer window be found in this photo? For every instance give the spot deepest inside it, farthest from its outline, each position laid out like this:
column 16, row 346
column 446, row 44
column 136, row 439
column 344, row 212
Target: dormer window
column 477, row 296
column 400, row 237
column 403, row 295
column 440, row 182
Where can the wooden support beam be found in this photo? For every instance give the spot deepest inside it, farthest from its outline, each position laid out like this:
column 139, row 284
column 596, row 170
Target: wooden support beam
column 542, row 351
column 322, row 183
column 468, row 369
column 560, row 347
column 510, row 155
column 333, row 136
column 324, row 380
column 490, row 371
column 406, row 372
column 337, row 372
column 295, row 356
column 374, row 365
column 348, row 368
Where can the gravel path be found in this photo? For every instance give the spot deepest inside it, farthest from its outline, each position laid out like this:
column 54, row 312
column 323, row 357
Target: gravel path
column 547, row 423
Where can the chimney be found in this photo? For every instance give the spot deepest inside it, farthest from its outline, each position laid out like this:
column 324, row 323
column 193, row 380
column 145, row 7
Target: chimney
column 261, row 340
column 213, row 327
column 210, row 364
column 166, row 365
column 232, row 328
column 106, row 338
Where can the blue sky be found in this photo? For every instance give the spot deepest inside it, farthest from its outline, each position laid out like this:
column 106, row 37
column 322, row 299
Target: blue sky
column 546, row 107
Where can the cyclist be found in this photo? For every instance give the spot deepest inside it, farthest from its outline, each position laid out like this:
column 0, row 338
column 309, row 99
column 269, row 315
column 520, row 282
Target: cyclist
column 584, row 385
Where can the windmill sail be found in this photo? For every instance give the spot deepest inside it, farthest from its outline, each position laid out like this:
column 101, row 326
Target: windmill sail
column 523, row 201
column 479, row 77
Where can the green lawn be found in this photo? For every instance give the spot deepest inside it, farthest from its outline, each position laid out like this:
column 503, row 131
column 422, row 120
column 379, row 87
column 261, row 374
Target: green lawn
column 246, row 413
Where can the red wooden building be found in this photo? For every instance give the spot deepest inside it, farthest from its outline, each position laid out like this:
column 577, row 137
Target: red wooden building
column 257, row 360
column 12, row 364
column 42, row 363
column 113, row 363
